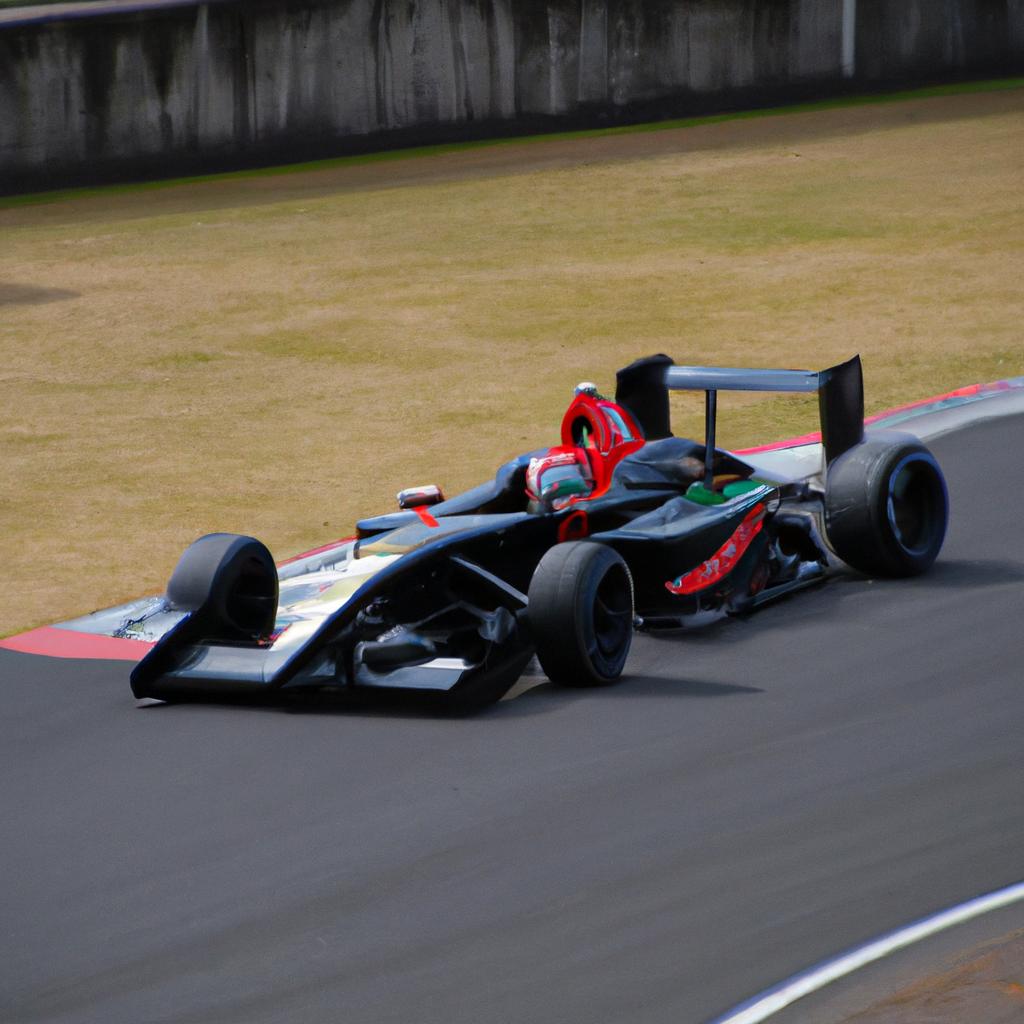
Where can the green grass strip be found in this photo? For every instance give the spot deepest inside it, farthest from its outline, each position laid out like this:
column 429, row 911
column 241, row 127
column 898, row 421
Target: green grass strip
column 412, row 153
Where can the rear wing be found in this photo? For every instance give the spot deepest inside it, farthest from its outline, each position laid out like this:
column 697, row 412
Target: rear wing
column 643, row 387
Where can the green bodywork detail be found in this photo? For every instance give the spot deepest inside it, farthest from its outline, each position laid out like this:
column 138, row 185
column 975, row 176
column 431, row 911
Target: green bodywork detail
column 738, row 487
column 703, row 496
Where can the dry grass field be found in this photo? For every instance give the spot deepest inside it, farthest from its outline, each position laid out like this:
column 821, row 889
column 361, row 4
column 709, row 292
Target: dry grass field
column 279, row 354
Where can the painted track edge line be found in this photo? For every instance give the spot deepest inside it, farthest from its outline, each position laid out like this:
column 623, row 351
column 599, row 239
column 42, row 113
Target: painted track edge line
column 57, row 642
column 766, row 1004
column 967, row 395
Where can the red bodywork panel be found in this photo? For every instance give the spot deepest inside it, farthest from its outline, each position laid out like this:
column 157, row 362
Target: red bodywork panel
column 724, row 560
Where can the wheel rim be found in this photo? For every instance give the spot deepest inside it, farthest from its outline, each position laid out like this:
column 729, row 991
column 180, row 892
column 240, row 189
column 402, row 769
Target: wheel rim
column 916, row 505
column 613, row 614
column 253, row 598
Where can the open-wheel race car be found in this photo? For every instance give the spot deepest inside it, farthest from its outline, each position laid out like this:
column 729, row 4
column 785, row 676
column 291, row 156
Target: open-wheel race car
column 562, row 555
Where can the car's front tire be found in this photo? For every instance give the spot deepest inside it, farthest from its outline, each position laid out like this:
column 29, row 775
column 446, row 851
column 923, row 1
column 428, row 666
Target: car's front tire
column 581, row 613
column 229, row 583
column 886, row 506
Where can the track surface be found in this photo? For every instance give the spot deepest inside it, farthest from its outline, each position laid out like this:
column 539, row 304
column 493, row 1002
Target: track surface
column 751, row 800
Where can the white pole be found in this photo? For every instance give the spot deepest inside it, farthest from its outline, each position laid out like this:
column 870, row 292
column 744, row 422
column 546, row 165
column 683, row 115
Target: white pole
column 849, row 58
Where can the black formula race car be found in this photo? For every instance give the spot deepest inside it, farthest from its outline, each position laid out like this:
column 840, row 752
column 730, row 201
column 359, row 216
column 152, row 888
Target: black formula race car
column 562, row 555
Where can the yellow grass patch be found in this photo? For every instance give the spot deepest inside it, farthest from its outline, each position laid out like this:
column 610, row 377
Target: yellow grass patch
column 279, row 355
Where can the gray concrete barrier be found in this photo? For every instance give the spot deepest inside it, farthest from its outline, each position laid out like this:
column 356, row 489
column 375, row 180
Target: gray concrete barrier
column 172, row 86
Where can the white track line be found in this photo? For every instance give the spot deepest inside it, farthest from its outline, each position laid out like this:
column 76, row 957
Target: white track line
column 763, row 1006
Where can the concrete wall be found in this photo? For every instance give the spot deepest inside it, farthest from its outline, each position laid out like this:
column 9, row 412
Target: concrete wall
column 898, row 38
column 199, row 86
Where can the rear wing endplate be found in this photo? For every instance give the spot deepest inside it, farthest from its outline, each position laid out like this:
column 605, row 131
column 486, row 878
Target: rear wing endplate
column 643, row 387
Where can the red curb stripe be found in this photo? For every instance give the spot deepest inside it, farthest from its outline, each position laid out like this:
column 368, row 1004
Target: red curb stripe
column 69, row 643
column 965, row 392
column 775, row 446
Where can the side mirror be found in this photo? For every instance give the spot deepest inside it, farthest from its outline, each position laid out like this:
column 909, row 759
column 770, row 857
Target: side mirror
column 418, row 497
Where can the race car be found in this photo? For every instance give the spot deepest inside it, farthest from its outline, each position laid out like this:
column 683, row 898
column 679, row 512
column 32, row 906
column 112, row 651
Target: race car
column 562, row 555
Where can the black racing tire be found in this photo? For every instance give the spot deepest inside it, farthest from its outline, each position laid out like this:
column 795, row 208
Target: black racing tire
column 229, row 583
column 581, row 613
column 887, row 506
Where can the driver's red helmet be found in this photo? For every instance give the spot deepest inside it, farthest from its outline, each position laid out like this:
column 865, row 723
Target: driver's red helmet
column 605, row 431
column 599, row 425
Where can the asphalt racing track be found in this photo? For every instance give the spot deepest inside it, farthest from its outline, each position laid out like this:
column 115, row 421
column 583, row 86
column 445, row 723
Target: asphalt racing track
column 751, row 800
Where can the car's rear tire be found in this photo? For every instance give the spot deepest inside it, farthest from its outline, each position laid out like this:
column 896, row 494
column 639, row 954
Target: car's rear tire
column 581, row 613
column 886, row 506
column 229, row 583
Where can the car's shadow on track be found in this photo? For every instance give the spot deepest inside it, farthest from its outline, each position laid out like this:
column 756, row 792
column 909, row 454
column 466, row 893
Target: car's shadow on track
column 946, row 572
column 535, row 695
column 982, row 572
column 526, row 698
column 630, row 687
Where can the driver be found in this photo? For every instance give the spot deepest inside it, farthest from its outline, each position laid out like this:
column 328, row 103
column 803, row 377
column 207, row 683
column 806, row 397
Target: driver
column 554, row 479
